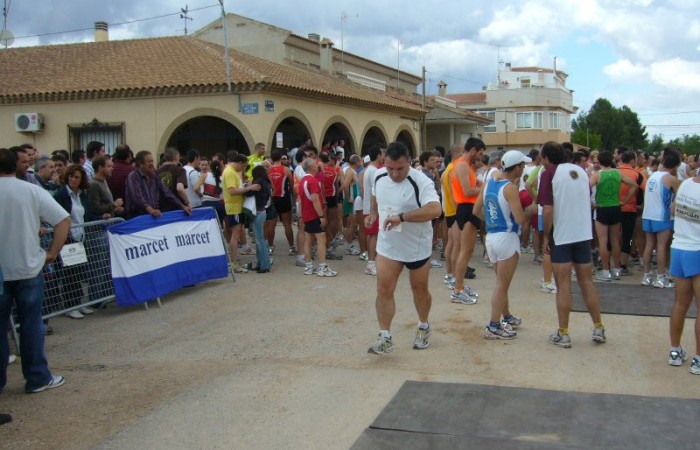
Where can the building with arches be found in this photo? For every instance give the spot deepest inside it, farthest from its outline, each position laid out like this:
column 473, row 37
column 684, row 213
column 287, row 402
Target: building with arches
column 173, row 91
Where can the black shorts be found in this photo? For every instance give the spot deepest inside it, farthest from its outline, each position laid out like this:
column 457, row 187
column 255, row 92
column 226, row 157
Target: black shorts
column 609, row 215
column 313, row 226
column 270, row 213
column 233, row 219
column 450, row 220
column 416, row 264
column 331, row 202
column 576, row 252
column 465, row 213
column 282, row 204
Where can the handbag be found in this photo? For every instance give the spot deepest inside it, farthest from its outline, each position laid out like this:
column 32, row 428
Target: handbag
column 249, row 208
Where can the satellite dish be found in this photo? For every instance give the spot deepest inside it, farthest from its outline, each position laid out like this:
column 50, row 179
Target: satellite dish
column 6, row 38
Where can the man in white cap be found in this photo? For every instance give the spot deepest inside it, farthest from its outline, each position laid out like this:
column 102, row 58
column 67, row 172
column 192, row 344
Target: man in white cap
column 499, row 205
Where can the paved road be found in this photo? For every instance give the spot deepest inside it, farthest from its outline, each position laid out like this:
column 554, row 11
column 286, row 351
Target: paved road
column 279, row 361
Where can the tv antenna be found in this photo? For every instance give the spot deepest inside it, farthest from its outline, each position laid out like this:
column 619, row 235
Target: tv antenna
column 6, row 36
column 185, row 17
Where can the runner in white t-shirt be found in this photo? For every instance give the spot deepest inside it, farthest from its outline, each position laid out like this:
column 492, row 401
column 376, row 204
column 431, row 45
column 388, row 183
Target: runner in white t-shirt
column 376, row 155
column 565, row 198
column 404, row 202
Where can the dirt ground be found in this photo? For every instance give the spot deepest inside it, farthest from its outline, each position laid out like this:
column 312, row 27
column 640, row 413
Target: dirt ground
column 280, row 361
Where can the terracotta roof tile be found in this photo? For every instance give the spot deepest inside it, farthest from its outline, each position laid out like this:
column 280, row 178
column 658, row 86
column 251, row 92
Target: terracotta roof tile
column 477, row 98
column 171, row 65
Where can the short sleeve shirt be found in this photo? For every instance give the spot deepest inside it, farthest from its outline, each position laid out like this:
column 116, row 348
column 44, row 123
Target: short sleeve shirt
column 231, row 179
column 413, row 240
column 308, row 186
column 565, row 187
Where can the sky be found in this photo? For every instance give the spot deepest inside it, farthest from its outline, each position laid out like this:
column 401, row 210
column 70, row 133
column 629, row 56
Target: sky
column 641, row 53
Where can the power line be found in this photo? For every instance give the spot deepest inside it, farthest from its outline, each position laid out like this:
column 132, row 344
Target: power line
column 112, row 24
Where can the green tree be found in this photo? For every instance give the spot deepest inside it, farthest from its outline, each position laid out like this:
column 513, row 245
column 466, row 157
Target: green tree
column 580, row 136
column 614, row 126
column 656, row 145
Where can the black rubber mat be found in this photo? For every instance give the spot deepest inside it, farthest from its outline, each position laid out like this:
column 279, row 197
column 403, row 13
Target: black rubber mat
column 630, row 299
column 467, row 416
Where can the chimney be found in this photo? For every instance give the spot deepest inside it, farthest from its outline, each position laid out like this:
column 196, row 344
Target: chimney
column 314, row 37
column 555, row 66
column 508, row 66
column 101, row 32
column 442, row 89
column 326, row 55
column 540, row 78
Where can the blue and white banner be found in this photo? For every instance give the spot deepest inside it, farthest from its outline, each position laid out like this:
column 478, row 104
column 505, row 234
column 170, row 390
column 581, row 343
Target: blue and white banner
column 152, row 257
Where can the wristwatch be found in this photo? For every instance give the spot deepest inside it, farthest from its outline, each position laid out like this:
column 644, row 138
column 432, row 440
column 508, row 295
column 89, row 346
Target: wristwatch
column 401, row 217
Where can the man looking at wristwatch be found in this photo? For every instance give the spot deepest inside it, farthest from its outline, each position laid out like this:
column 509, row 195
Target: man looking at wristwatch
column 404, row 201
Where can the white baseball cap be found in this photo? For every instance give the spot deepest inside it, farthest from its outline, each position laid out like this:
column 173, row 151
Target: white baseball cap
column 366, row 159
column 513, row 158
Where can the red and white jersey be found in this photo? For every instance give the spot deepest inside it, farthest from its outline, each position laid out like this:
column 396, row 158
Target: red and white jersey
column 308, row 186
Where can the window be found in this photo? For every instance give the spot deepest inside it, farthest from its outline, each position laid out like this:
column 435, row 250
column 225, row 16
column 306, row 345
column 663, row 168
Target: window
column 528, row 120
column 554, row 121
column 525, row 82
column 111, row 134
column 491, row 114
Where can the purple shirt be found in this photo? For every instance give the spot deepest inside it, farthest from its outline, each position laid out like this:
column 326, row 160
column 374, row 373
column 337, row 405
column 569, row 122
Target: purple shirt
column 142, row 192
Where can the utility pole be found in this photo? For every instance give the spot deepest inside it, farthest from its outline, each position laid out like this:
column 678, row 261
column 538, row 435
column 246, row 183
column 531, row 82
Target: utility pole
column 185, row 17
column 424, row 125
column 228, row 57
column 398, row 62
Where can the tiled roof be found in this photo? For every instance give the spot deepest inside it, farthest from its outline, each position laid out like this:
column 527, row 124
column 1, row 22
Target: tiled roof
column 164, row 66
column 433, row 103
column 478, row 98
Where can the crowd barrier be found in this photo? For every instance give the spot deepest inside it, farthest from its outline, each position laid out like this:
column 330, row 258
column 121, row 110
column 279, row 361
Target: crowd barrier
column 82, row 275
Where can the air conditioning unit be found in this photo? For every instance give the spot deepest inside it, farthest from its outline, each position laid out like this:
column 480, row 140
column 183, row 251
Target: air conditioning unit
column 28, row 123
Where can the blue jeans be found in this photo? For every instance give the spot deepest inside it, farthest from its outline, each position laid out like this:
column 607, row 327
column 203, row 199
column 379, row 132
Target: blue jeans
column 28, row 295
column 262, row 253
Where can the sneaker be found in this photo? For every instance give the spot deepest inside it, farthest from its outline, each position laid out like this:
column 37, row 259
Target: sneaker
column 238, row 269
column 86, row 311
column 625, row 272
column 364, row 256
column 548, row 288
column 435, row 264
column 352, row 250
column 562, row 340
column 437, row 247
column 421, row 340
column 599, row 335
column 448, row 279
column 514, row 322
column 662, row 281
column 537, row 260
column 463, row 297
column 371, row 270
column 648, row 279
column 527, row 249
column 603, row 275
column 695, row 366
column 615, row 273
column 293, row 251
column 325, row 271
column 75, row 314
column 11, row 359
column 498, row 333
column 56, row 381
column 383, row 345
column 487, row 262
column 333, row 257
column 309, row 270
column 272, row 250
column 247, row 251
column 5, row 418
column 676, row 358
column 300, row 262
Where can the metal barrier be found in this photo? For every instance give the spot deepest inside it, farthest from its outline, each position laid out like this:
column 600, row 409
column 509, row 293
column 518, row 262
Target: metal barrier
column 81, row 276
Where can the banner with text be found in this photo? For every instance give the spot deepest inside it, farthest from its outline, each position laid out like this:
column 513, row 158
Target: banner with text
column 152, row 257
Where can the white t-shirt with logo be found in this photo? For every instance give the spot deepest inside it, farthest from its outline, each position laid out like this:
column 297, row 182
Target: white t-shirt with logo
column 410, row 241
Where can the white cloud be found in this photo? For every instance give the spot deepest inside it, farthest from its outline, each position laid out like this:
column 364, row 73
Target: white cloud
column 624, row 72
column 677, row 74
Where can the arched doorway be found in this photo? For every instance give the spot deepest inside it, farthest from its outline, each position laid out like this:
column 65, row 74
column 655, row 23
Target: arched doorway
column 337, row 131
column 294, row 133
column 405, row 137
column 208, row 135
column 374, row 136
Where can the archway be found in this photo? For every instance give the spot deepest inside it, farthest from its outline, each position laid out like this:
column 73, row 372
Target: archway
column 294, row 132
column 337, row 131
column 208, row 135
column 406, row 137
column 373, row 136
